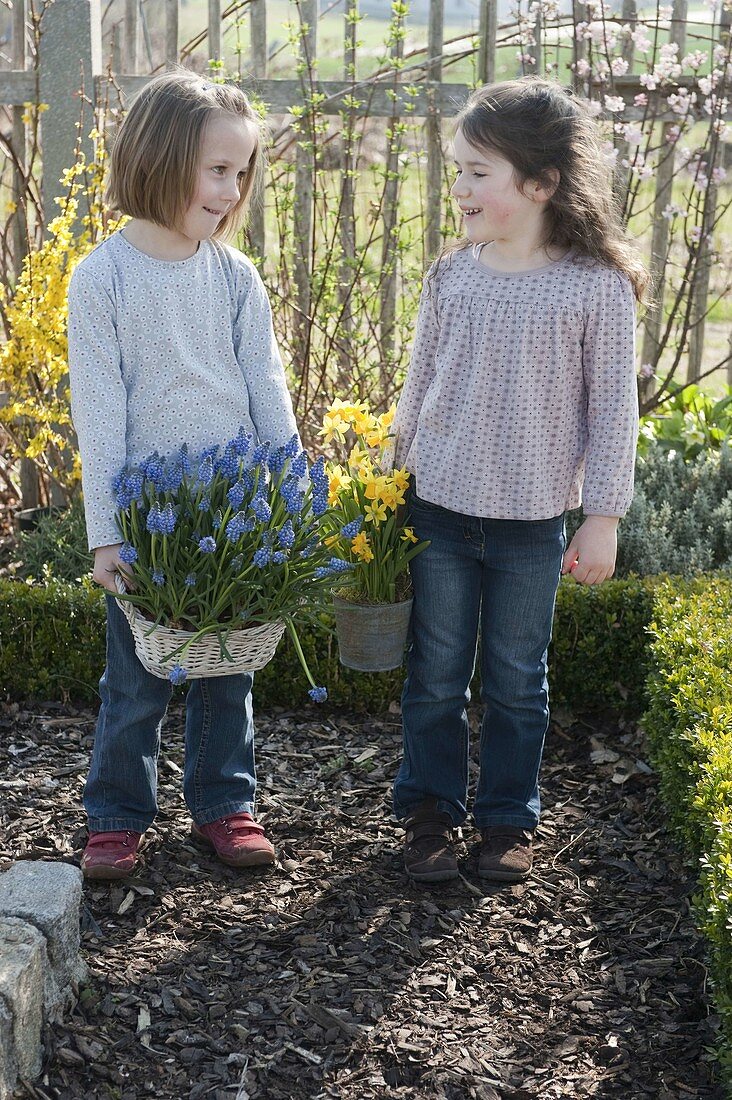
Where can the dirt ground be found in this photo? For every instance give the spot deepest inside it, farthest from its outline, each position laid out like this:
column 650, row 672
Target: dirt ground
column 329, row 975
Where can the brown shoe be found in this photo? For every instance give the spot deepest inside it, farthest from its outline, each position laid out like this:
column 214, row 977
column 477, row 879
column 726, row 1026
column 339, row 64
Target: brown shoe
column 506, row 853
column 429, row 853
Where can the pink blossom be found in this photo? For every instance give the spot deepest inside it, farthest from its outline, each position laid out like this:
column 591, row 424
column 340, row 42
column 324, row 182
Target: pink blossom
column 582, row 68
column 619, row 66
column 695, row 233
column 646, row 370
column 641, row 100
column 648, row 80
column 614, row 103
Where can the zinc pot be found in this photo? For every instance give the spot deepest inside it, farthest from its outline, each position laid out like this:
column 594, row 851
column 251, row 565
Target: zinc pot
column 371, row 637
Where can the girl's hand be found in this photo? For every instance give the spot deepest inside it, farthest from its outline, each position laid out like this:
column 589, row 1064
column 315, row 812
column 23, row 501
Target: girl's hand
column 106, row 563
column 590, row 556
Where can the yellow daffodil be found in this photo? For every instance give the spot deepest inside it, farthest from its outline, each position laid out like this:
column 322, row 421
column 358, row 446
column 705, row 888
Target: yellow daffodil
column 375, row 513
column 361, row 547
column 408, row 535
column 386, row 419
column 392, row 496
column 401, row 479
column 338, row 481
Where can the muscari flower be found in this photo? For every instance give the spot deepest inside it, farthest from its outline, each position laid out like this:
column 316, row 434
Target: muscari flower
column 318, row 475
column 276, row 461
column 206, row 470
column 158, row 577
column 217, row 520
column 177, row 675
column 190, row 580
column 236, row 495
column 286, row 535
column 318, row 694
column 299, row 465
column 261, row 453
column 228, row 464
column 350, row 530
column 127, row 553
column 242, row 443
column 134, row 484
column 262, row 556
column 204, row 503
column 320, row 501
column 292, row 447
column 207, row 545
column 261, row 509
column 152, row 468
column 279, row 556
column 167, row 520
column 152, row 523
column 292, row 496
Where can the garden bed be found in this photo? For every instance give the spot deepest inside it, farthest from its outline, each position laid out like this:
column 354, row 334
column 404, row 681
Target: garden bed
column 330, row 976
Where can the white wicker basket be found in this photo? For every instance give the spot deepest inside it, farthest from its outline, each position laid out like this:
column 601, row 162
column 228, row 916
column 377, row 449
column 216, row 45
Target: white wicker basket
column 250, row 648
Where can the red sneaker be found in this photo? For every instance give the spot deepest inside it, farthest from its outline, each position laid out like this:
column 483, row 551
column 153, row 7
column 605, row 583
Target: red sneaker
column 237, row 840
column 110, row 855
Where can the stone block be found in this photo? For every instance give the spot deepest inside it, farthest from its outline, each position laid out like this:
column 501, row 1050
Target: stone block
column 22, row 960
column 48, row 896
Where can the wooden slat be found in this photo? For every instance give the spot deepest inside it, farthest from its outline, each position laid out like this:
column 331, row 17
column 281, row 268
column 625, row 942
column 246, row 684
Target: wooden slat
column 279, row 95
column 258, row 68
column 17, row 88
column 172, row 20
column 434, row 132
column 488, row 28
column 214, row 30
column 579, row 46
column 28, row 473
column 131, row 35
column 304, row 184
column 660, row 232
column 388, row 288
column 347, row 221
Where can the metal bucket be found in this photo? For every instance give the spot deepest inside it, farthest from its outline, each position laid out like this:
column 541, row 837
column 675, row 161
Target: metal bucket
column 372, row 637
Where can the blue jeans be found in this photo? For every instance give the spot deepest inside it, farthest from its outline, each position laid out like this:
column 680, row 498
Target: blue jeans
column 498, row 578
column 219, row 776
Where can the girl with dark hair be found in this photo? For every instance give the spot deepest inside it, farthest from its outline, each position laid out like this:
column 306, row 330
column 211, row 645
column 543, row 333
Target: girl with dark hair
column 520, row 403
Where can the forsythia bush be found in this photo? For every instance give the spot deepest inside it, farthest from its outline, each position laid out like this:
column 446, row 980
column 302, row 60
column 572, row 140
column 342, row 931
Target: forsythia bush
column 33, row 359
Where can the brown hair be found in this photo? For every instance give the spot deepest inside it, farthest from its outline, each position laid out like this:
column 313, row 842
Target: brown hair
column 538, row 126
column 154, row 159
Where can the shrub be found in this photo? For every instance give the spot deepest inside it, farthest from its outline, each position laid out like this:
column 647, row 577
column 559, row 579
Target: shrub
column 57, row 546
column 52, row 641
column 689, row 726
column 680, row 521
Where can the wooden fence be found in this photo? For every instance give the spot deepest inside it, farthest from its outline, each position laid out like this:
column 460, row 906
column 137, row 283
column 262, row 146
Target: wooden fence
column 70, row 54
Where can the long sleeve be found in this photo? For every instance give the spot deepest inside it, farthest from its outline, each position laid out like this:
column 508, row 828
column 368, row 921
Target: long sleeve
column 255, row 346
column 608, row 364
column 420, row 374
column 98, row 401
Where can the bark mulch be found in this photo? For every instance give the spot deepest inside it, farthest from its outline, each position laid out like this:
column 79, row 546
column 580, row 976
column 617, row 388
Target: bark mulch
column 330, row 976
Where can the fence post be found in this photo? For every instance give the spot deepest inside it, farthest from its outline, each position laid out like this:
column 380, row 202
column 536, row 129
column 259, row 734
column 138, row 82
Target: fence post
column 488, row 29
column 70, row 52
column 660, row 234
column 28, row 474
column 131, row 36
column 258, row 66
column 214, row 30
column 305, row 171
column 390, row 205
column 434, row 131
column 172, row 15
column 347, row 208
